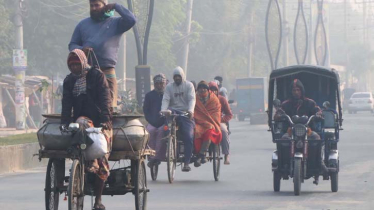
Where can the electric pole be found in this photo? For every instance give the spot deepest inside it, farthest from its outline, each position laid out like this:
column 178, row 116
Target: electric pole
column 346, row 47
column 19, row 66
column 187, row 35
column 250, row 44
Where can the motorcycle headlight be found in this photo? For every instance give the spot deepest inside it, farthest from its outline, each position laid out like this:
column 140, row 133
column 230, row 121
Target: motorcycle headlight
column 300, row 130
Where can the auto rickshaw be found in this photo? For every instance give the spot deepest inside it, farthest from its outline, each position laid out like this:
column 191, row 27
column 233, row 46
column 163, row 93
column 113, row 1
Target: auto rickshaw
column 299, row 157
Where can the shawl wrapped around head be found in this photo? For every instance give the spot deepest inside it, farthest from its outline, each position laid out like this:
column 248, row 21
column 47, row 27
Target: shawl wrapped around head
column 207, row 119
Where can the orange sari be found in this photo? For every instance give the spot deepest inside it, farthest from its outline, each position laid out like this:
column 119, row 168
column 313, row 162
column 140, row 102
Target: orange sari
column 207, row 119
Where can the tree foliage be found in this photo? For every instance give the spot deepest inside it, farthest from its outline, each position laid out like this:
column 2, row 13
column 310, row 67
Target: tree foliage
column 6, row 38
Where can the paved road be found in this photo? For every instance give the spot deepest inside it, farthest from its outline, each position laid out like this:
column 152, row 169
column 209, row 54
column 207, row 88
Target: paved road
column 246, row 184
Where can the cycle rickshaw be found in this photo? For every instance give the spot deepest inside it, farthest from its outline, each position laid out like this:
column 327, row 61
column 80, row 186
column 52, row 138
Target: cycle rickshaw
column 175, row 151
column 129, row 146
column 300, row 157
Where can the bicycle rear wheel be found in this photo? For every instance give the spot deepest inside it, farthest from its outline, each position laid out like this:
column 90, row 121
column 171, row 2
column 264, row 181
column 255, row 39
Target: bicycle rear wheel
column 76, row 184
column 171, row 158
column 140, row 186
column 52, row 192
column 216, row 161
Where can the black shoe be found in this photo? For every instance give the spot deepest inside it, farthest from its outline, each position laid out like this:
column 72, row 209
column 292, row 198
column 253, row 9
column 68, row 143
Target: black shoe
column 203, row 159
column 151, row 163
column 197, row 162
column 157, row 162
column 186, row 168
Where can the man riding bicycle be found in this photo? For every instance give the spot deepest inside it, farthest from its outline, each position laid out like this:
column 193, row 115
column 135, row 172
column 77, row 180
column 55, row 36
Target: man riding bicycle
column 86, row 94
column 179, row 96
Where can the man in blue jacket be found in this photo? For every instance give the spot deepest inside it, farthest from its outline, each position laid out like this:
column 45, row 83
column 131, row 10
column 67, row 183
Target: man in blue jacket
column 151, row 109
column 102, row 33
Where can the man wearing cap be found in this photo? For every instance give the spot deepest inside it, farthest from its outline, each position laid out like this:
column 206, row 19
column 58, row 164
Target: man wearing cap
column 86, row 95
column 151, row 109
column 180, row 97
column 102, row 33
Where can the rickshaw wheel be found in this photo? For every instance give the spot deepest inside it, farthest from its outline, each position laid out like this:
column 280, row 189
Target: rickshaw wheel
column 297, row 176
column 216, row 161
column 52, row 193
column 76, row 184
column 171, row 158
column 276, row 181
column 140, row 190
column 154, row 172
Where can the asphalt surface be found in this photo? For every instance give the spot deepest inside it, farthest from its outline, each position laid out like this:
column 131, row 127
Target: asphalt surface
column 245, row 184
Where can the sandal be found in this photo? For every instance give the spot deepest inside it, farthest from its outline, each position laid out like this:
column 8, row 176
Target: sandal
column 101, row 207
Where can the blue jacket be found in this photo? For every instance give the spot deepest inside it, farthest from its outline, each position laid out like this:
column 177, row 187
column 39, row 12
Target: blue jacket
column 152, row 108
column 103, row 36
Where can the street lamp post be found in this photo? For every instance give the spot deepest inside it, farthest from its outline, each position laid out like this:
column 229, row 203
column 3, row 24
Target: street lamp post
column 273, row 42
column 143, row 11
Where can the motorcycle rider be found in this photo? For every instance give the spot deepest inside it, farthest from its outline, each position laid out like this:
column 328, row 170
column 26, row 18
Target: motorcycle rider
column 86, row 94
column 300, row 105
column 225, row 118
column 179, row 96
column 151, row 109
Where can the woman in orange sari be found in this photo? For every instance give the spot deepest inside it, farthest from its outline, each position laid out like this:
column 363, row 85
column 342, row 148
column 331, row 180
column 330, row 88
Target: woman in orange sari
column 207, row 118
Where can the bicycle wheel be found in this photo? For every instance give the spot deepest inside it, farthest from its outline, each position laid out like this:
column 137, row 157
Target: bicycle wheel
column 76, row 184
column 216, row 161
column 140, row 186
column 154, row 172
column 171, row 158
column 52, row 193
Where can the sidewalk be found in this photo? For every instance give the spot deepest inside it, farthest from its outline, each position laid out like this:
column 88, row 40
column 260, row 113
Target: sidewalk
column 12, row 131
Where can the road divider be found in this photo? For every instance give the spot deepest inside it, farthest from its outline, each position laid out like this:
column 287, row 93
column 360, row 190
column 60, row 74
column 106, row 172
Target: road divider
column 19, row 157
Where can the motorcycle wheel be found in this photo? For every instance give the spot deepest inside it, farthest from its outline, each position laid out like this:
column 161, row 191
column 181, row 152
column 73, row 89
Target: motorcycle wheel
column 297, row 173
column 334, row 181
column 276, row 181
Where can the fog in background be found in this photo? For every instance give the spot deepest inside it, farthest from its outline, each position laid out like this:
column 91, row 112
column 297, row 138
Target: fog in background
column 222, row 32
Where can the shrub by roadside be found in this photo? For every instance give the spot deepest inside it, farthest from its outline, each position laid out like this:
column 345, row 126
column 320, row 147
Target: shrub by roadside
column 18, row 139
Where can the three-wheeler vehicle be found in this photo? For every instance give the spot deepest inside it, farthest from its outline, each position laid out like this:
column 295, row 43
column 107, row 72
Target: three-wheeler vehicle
column 298, row 157
column 127, row 174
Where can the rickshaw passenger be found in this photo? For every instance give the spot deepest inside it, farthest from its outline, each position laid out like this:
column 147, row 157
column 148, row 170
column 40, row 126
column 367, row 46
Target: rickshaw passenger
column 180, row 96
column 300, row 105
column 208, row 119
column 226, row 116
column 151, row 109
column 86, row 92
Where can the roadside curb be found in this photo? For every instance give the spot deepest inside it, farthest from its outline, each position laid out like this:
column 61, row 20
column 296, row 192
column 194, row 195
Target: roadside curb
column 19, row 157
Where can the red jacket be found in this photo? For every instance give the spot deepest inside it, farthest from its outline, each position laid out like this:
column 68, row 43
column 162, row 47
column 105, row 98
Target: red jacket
column 225, row 108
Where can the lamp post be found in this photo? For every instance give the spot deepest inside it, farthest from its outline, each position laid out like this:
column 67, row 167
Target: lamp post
column 273, row 37
column 143, row 11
